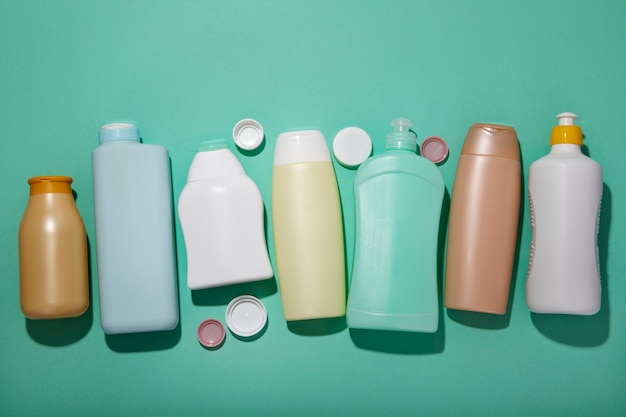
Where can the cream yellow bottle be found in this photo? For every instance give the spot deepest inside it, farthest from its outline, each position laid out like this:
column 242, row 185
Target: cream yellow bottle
column 308, row 228
column 53, row 252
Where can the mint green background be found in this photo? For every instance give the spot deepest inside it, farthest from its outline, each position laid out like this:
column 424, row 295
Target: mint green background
column 187, row 71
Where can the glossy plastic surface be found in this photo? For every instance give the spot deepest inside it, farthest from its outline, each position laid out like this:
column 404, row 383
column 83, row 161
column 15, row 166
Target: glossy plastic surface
column 221, row 213
column 565, row 192
column 134, row 237
column 398, row 197
column 308, row 228
column 54, row 281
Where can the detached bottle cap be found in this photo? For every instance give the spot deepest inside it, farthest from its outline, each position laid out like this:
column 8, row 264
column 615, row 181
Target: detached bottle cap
column 566, row 132
column 246, row 316
column 211, row 333
column 248, row 134
column 352, row 146
column 434, row 148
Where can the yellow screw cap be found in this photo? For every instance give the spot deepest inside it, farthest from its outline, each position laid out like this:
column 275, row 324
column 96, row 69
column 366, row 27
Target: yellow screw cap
column 566, row 132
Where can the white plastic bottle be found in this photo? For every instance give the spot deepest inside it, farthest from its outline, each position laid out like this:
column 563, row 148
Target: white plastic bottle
column 308, row 228
column 221, row 214
column 134, row 233
column 565, row 191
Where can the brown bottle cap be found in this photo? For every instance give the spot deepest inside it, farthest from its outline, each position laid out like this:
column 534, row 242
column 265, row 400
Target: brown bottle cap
column 491, row 140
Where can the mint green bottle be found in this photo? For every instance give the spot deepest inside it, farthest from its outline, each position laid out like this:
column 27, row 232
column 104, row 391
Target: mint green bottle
column 398, row 197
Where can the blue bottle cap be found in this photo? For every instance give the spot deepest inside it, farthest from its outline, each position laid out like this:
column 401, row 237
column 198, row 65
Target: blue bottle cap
column 119, row 131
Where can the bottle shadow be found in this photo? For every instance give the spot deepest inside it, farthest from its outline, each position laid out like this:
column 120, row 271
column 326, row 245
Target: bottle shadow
column 585, row 331
column 223, row 295
column 64, row 332
column 144, row 342
column 317, row 327
column 406, row 343
column 60, row 332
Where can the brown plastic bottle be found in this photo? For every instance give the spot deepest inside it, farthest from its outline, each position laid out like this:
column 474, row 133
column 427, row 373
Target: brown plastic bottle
column 484, row 215
column 54, row 280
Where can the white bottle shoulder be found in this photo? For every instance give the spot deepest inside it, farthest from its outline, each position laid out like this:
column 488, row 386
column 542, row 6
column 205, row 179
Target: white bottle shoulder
column 560, row 161
column 219, row 163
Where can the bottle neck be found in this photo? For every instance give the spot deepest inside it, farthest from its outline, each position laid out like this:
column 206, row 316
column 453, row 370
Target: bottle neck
column 401, row 141
column 565, row 148
column 57, row 184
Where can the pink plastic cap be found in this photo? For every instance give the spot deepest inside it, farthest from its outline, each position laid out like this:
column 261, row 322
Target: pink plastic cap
column 435, row 149
column 211, row 333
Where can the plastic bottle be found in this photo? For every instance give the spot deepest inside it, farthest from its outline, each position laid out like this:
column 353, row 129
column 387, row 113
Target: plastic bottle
column 398, row 198
column 54, row 281
column 134, row 233
column 483, row 222
column 308, row 228
column 221, row 214
column 565, row 192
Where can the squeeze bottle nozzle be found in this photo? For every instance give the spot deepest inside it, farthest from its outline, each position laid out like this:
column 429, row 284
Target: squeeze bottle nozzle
column 566, row 118
column 566, row 132
column 401, row 137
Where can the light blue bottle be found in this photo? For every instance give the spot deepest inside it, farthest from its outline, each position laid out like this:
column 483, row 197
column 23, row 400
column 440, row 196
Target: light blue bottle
column 134, row 233
column 398, row 198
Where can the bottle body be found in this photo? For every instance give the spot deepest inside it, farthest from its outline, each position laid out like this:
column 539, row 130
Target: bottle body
column 565, row 192
column 308, row 228
column 54, row 280
column 221, row 215
column 483, row 223
column 398, row 198
column 134, row 237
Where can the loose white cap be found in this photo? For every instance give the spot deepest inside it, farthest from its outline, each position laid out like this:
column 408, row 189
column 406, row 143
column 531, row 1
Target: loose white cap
column 352, row 146
column 248, row 134
column 301, row 146
column 246, row 316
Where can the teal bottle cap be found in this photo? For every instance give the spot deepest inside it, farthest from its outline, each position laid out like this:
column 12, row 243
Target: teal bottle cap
column 401, row 137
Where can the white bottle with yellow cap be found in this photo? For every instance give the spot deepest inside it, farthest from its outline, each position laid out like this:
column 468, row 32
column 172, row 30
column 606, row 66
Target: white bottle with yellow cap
column 565, row 191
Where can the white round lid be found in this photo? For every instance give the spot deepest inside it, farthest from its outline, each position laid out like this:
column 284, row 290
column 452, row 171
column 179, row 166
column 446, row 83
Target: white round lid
column 352, row 146
column 246, row 316
column 248, row 134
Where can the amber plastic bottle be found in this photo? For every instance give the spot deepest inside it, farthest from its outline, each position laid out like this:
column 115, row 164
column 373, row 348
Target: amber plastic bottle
column 54, row 280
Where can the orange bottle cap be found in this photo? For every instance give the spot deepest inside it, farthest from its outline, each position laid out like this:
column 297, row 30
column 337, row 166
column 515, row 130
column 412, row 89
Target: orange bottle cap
column 50, row 184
